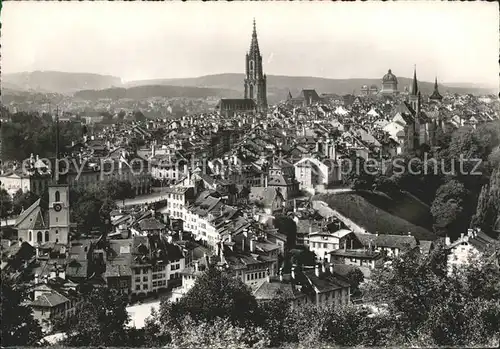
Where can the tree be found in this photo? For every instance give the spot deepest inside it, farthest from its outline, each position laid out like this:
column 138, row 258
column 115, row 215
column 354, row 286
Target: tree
column 5, row 204
column 23, row 200
column 216, row 294
column 19, row 328
column 355, row 278
column 450, row 208
column 360, row 176
column 100, row 320
column 91, row 208
column 431, row 303
column 121, row 115
column 119, row 190
column 287, row 227
column 139, row 116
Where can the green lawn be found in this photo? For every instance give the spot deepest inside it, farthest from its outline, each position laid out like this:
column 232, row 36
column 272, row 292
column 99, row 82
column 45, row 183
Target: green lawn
column 382, row 214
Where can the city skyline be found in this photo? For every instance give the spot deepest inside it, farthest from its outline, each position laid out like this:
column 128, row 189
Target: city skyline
column 169, row 44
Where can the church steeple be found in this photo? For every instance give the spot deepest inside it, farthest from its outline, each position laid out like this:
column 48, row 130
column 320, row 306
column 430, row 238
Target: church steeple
column 254, row 45
column 436, row 95
column 414, row 86
column 255, row 79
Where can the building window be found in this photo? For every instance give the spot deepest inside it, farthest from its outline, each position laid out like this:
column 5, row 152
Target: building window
column 137, row 287
column 39, row 237
column 57, row 196
column 30, row 236
column 46, row 236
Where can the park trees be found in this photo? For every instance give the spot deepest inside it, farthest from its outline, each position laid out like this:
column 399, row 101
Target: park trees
column 19, row 328
column 101, row 320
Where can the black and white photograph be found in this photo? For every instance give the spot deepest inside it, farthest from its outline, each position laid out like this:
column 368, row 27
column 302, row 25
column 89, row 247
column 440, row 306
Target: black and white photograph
column 249, row 174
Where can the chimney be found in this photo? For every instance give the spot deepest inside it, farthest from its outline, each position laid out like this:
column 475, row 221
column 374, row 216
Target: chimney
column 470, row 233
column 316, row 270
column 230, row 238
column 331, row 268
column 252, row 245
column 292, row 274
column 36, row 279
column 265, row 180
column 196, row 266
column 462, row 236
column 323, row 267
column 62, row 274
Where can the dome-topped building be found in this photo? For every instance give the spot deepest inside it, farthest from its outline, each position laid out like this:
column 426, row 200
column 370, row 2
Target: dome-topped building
column 389, row 84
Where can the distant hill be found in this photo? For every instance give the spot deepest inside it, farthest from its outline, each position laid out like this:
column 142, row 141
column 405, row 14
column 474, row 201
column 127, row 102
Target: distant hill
column 223, row 85
column 59, row 82
column 140, row 92
column 279, row 85
column 382, row 214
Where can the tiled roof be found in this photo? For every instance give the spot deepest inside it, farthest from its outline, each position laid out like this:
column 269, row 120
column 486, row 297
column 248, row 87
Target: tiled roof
column 390, row 241
column 34, row 217
column 325, row 281
column 356, row 254
column 272, row 289
column 49, row 300
column 151, row 224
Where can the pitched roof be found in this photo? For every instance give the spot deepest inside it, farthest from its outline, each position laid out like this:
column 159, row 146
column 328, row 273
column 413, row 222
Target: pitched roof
column 151, row 224
column 49, row 300
column 236, row 104
column 384, row 240
column 325, row 281
column 34, row 217
column 273, row 288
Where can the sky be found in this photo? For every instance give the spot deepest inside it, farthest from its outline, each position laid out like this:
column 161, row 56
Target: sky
column 457, row 41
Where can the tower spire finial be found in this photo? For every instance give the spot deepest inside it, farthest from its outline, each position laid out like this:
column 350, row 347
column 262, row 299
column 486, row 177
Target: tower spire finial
column 414, row 86
column 254, row 46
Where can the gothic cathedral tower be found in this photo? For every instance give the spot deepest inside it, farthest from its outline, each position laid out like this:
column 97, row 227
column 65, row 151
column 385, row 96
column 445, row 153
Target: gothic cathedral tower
column 255, row 79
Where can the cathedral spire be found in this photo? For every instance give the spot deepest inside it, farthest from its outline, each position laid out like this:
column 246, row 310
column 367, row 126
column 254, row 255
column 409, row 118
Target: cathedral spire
column 414, row 86
column 254, row 46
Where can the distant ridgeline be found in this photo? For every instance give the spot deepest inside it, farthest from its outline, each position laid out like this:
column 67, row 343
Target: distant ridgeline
column 141, row 92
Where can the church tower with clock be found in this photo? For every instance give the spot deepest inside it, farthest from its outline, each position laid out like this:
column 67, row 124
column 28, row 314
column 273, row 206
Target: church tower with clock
column 59, row 221
column 59, row 215
column 255, row 79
